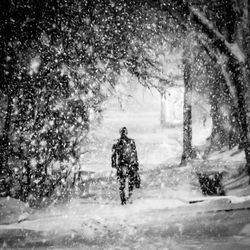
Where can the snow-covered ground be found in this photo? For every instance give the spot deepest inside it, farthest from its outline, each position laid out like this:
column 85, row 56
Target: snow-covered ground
column 161, row 215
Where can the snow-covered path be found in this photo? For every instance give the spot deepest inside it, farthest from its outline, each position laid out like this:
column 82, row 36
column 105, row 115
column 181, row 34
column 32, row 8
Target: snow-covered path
column 159, row 218
column 155, row 229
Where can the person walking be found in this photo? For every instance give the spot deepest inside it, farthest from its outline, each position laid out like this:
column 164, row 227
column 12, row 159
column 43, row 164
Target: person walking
column 124, row 159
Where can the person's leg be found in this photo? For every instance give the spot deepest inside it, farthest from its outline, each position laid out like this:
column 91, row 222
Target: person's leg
column 122, row 180
column 122, row 190
column 130, row 183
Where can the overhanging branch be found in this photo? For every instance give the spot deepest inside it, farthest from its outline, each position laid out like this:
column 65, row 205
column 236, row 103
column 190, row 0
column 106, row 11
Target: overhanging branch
column 184, row 13
column 218, row 39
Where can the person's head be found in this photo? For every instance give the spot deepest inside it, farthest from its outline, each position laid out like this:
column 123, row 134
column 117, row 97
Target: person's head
column 123, row 131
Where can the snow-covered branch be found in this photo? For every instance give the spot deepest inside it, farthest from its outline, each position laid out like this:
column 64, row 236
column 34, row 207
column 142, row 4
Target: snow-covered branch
column 233, row 48
column 184, row 11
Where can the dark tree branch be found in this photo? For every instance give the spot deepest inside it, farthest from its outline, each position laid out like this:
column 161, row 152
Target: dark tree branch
column 184, row 13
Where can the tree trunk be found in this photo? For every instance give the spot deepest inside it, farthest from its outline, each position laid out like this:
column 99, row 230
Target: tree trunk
column 246, row 48
column 163, row 109
column 240, row 75
column 220, row 128
column 28, row 183
column 187, row 116
column 4, row 145
column 241, row 90
column 215, row 115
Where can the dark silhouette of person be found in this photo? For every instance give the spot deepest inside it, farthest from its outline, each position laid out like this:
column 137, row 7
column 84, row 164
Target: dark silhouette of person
column 124, row 159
